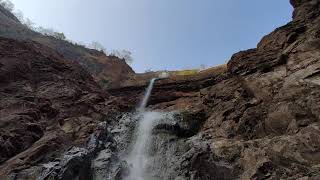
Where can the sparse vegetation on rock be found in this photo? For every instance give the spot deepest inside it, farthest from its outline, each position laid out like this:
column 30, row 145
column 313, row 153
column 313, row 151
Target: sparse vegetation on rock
column 123, row 54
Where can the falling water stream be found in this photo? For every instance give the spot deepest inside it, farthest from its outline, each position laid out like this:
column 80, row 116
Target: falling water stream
column 147, row 95
column 138, row 157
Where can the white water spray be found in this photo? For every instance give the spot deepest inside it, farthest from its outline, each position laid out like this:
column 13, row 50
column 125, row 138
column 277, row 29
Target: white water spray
column 138, row 158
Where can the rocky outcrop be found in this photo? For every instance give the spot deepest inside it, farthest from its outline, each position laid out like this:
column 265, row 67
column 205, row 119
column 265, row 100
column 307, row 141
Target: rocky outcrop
column 75, row 163
column 47, row 105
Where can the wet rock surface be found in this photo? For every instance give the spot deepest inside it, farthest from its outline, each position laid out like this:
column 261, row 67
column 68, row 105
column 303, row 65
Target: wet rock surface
column 75, row 163
column 171, row 155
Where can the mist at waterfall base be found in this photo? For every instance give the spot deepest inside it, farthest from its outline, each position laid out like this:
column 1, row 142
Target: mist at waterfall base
column 138, row 159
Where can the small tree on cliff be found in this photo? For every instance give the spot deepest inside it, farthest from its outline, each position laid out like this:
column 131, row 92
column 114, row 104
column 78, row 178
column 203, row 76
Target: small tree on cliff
column 97, row 46
column 123, row 54
column 59, row 35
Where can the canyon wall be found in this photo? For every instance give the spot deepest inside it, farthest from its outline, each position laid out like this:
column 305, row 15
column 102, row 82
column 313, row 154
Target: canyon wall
column 255, row 118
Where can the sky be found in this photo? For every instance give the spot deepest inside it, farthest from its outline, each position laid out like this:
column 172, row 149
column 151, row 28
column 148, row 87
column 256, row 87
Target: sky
column 163, row 34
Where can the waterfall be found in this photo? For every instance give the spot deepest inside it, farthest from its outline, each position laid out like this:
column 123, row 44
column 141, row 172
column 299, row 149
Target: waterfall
column 146, row 96
column 138, row 157
column 146, row 147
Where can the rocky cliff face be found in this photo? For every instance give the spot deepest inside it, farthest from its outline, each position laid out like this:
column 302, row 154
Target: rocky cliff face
column 256, row 118
column 47, row 104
